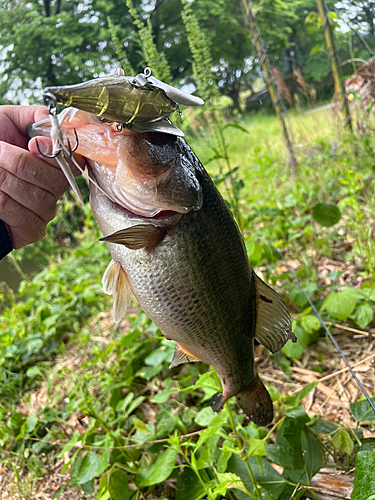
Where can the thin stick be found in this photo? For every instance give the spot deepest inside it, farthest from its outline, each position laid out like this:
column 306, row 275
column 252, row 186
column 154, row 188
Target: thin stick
column 343, row 370
column 348, row 328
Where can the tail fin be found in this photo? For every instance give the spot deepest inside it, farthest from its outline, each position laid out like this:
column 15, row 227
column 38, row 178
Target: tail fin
column 257, row 403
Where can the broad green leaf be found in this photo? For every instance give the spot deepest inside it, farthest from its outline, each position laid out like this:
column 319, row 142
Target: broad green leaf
column 105, row 456
column 326, row 214
column 141, row 426
column 118, row 485
column 299, row 416
column 214, row 428
column 159, row 471
column 364, row 479
column 298, row 298
column 166, row 425
column 149, row 372
column 364, row 315
column 322, row 427
column 271, row 482
column 256, row 447
column 134, row 404
column 157, row 357
column 254, row 251
column 88, row 467
column 296, row 349
column 340, row 304
column 297, row 398
column 205, row 416
column 228, row 480
column 312, row 453
column 224, row 456
column 287, row 451
column 33, row 372
column 122, row 404
column 188, row 486
column 284, row 456
column 362, row 410
column 207, row 451
column 31, row 422
column 342, row 441
column 163, row 396
column 88, row 488
column 372, row 294
column 310, row 323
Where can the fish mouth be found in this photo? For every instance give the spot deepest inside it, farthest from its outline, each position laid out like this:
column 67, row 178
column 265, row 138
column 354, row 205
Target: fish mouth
column 135, row 212
column 143, row 173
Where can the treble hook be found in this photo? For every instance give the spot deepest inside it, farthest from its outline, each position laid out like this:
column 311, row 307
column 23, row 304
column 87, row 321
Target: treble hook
column 51, row 101
column 68, row 152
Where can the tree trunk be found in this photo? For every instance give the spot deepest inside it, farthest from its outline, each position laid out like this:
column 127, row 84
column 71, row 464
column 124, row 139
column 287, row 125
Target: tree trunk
column 370, row 20
column 335, row 66
column 47, row 10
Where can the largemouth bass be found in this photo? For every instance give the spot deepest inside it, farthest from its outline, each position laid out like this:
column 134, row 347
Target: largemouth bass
column 175, row 245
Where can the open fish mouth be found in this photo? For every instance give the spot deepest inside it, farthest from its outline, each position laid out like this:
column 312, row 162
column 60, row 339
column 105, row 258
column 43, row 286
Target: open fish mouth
column 144, row 173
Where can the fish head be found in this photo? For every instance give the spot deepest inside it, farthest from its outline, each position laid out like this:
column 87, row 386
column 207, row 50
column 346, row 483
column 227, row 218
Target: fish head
column 144, row 173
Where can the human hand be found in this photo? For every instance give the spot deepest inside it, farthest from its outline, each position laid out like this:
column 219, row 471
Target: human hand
column 30, row 184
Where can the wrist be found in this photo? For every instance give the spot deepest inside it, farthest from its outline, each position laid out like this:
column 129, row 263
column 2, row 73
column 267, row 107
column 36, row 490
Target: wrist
column 5, row 242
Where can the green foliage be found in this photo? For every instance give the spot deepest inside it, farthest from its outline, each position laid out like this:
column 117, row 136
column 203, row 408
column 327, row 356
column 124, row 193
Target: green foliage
column 364, row 481
column 56, row 304
column 201, row 54
column 157, row 61
column 326, row 214
column 119, row 48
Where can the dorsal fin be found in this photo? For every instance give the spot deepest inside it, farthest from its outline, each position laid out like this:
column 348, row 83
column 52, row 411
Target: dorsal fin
column 180, row 356
column 273, row 325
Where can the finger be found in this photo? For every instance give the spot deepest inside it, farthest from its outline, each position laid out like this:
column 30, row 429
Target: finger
column 32, row 197
column 14, row 121
column 26, row 167
column 23, row 225
column 45, row 146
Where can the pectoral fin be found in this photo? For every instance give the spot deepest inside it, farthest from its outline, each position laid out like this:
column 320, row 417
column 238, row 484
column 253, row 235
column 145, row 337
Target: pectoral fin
column 273, row 325
column 121, row 293
column 108, row 279
column 181, row 356
column 115, row 282
column 137, row 237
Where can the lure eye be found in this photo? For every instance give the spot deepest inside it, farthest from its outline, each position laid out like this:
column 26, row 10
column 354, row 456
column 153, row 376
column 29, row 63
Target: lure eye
column 101, row 119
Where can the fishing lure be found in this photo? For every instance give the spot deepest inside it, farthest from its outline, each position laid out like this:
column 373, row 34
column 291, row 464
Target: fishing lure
column 141, row 103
